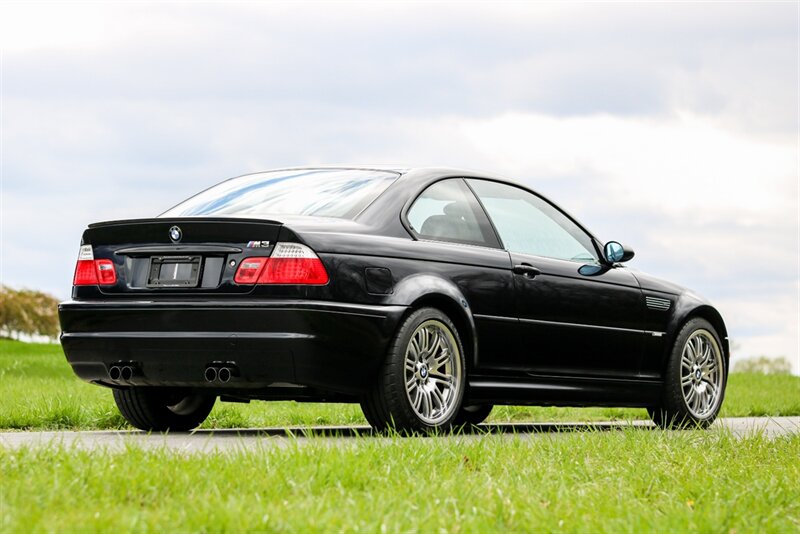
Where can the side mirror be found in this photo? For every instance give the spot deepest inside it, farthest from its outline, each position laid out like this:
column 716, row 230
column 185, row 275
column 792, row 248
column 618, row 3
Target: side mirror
column 617, row 252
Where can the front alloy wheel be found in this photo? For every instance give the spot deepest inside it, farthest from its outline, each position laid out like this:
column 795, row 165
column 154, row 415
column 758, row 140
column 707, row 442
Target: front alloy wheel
column 701, row 374
column 694, row 385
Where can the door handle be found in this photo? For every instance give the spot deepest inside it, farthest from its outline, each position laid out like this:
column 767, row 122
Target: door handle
column 526, row 270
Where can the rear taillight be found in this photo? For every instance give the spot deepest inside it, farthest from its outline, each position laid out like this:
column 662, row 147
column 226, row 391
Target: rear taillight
column 248, row 271
column 290, row 263
column 106, row 274
column 92, row 272
column 85, row 273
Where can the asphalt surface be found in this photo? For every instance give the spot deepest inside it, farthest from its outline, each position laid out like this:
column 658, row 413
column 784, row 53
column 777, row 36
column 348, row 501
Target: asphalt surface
column 239, row 439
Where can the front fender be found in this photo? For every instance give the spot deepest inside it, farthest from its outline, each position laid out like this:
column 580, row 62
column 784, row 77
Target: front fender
column 689, row 306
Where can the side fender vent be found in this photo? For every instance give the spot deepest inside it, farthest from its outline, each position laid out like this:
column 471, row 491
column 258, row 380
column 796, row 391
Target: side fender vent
column 659, row 304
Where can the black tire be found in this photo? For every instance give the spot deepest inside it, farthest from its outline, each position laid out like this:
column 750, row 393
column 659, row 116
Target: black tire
column 674, row 410
column 159, row 410
column 472, row 415
column 389, row 404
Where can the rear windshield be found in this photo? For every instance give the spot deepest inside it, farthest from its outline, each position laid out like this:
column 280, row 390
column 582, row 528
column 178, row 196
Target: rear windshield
column 339, row 193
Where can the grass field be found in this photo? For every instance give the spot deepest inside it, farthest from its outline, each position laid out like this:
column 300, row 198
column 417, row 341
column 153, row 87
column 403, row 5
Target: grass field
column 629, row 480
column 633, row 480
column 39, row 391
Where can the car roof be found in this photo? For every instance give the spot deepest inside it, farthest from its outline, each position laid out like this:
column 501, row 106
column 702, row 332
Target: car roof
column 410, row 173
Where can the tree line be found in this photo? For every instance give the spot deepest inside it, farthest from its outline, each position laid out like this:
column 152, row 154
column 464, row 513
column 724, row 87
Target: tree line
column 25, row 312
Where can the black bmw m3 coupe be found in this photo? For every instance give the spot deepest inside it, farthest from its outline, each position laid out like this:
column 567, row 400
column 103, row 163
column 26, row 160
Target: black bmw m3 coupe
column 426, row 295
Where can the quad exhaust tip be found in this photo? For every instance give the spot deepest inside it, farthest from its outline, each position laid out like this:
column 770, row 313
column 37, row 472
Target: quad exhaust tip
column 115, row 372
column 211, row 374
column 122, row 371
column 224, row 374
column 126, row 373
column 220, row 372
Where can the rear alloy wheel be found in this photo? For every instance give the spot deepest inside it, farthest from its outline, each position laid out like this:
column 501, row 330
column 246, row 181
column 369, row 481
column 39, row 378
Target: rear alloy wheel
column 695, row 380
column 421, row 385
column 159, row 410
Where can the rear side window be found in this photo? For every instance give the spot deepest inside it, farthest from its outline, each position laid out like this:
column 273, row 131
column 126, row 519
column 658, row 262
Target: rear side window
column 448, row 211
column 339, row 193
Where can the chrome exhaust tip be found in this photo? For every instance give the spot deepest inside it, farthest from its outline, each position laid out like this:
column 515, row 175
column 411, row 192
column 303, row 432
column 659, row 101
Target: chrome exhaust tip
column 224, row 374
column 211, row 374
column 126, row 373
column 114, row 372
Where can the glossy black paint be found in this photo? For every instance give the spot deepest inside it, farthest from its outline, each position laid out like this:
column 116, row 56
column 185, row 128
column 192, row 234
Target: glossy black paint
column 535, row 330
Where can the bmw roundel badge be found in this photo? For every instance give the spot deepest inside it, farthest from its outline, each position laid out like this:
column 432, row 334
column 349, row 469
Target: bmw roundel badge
column 175, row 234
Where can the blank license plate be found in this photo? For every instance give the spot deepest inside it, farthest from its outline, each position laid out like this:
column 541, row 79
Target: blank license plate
column 174, row 271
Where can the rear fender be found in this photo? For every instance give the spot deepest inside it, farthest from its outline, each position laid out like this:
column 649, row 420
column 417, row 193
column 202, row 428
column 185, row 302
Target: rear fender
column 421, row 290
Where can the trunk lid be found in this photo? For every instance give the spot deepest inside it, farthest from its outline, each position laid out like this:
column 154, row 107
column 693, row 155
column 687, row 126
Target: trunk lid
column 179, row 256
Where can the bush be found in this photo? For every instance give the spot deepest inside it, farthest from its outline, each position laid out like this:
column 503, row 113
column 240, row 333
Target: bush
column 764, row 365
column 28, row 312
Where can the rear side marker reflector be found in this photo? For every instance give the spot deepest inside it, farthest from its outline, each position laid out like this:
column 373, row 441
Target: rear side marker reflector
column 92, row 272
column 290, row 263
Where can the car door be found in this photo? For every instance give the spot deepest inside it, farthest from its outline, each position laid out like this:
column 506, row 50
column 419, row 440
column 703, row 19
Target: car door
column 448, row 214
column 576, row 315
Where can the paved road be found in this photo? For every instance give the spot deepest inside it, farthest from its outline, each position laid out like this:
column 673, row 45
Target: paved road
column 237, row 439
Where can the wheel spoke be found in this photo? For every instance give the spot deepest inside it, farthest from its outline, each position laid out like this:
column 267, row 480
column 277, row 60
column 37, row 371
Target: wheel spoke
column 688, row 356
column 698, row 400
column 438, row 397
column 427, row 408
column 426, row 341
column 711, row 388
column 436, row 351
column 417, row 402
column 433, row 342
column 441, row 359
column 413, row 348
column 690, row 395
column 440, row 374
column 702, row 402
column 446, row 382
column 706, row 354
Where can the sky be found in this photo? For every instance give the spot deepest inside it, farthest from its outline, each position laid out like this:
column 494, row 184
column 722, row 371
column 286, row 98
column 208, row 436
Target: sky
column 671, row 127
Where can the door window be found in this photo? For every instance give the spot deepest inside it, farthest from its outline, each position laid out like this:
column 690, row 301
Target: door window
column 448, row 211
column 528, row 224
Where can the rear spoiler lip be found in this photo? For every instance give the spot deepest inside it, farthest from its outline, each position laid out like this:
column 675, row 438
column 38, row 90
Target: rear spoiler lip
column 177, row 220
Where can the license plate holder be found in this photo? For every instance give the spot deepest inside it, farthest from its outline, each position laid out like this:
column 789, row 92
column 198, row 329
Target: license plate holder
column 174, row 271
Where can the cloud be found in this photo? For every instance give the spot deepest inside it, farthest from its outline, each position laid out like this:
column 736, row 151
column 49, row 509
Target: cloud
column 430, row 60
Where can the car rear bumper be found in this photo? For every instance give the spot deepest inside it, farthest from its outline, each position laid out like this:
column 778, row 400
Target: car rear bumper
column 328, row 346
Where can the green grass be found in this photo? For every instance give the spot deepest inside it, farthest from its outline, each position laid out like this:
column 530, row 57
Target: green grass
column 628, row 480
column 632, row 480
column 39, row 391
